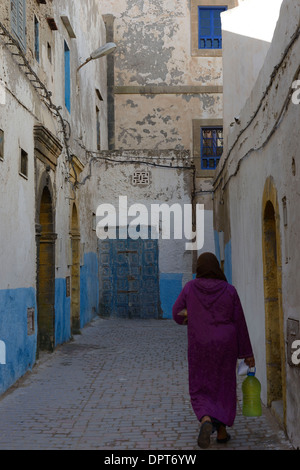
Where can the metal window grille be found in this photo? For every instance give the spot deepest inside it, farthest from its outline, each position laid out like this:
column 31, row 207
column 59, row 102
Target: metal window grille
column 210, row 30
column 141, row 178
column 211, row 147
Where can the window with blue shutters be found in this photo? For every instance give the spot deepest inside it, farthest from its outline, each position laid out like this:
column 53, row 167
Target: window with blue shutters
column 67, row 77
column 36, row 39
column 210, row 30
column 18, row 21
column 211, row 147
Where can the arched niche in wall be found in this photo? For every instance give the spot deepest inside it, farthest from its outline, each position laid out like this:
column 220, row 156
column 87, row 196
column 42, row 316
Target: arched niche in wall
column 274, row 323
column 46, row 150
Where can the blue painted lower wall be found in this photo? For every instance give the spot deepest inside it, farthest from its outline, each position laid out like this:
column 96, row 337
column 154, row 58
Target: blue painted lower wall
column 20, row 347
column 89, row 299
column 170, row 285
column 89, row 289
column 62, row 312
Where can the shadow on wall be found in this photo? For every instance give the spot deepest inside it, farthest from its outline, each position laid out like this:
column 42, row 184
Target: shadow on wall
column 224, row 256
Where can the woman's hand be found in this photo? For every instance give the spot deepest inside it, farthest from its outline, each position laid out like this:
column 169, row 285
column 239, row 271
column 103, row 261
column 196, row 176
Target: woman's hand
column 183, row 314
column 250, row 361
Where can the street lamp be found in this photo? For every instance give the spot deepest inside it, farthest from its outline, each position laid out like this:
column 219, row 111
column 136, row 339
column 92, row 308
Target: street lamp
column 108, row 48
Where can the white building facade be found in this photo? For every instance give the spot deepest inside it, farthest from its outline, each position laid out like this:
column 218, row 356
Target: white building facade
column 257, row 190
column 49, row 113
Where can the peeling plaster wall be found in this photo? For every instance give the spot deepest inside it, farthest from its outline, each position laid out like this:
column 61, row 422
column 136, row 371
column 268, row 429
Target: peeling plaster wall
column 154, row 45
column 162, row 121
column 160, row 89
column 154, row 51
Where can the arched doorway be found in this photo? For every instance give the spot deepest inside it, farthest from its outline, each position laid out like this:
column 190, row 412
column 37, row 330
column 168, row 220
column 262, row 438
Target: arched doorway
column 46, row 273
column 275, row 350
column 75, row 272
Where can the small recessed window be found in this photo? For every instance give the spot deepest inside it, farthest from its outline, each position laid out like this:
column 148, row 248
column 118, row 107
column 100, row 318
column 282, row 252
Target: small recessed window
column 49, row 52
column 98, row 128
column 211, row 147
column 1, row 144
column 24, row 163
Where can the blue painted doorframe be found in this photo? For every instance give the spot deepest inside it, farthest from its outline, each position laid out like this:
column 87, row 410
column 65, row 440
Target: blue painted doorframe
column 129, row 279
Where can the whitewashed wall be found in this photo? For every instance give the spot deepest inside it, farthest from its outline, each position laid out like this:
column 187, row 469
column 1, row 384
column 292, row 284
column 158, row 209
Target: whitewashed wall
column 265, row 144
column 21, row 108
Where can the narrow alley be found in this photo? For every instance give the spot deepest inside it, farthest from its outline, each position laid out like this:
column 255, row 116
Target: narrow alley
column 136, row 136
column 119, row 385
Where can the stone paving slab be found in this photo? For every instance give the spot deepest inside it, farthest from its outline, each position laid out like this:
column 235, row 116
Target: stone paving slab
column 120, row 385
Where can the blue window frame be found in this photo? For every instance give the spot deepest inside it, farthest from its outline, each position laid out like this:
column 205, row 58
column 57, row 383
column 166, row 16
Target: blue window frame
column 211, row 147
column 210, row 30
column 18, row 21
column 67, row 77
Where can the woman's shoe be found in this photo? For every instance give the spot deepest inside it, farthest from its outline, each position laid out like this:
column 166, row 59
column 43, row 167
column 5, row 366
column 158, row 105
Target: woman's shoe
column 223, row 441
column 204, row 434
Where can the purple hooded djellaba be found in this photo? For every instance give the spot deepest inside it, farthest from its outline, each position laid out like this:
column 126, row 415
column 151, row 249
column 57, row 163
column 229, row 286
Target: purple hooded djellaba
column 217, row 337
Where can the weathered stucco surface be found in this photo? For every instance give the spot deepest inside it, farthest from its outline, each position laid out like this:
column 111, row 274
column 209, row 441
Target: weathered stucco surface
column 162, row 121
column 160, row 90
column 113, row 173
column 159, row 86
column 23, row 116
column 153, row 41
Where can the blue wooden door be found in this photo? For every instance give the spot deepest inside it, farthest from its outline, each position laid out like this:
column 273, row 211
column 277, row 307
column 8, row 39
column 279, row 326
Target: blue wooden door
column 129, row 280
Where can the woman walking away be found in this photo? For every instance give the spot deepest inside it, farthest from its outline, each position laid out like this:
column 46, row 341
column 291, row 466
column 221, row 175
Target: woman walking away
column 217, row 337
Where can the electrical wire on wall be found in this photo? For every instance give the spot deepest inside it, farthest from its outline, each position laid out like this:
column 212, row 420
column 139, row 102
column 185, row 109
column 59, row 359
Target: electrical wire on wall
column 276, row 125
column 189, row 166
column 284, row 108
column 46, row 96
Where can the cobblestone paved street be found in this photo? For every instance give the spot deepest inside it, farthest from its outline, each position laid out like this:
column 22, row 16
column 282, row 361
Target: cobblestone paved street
column 121, row 384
